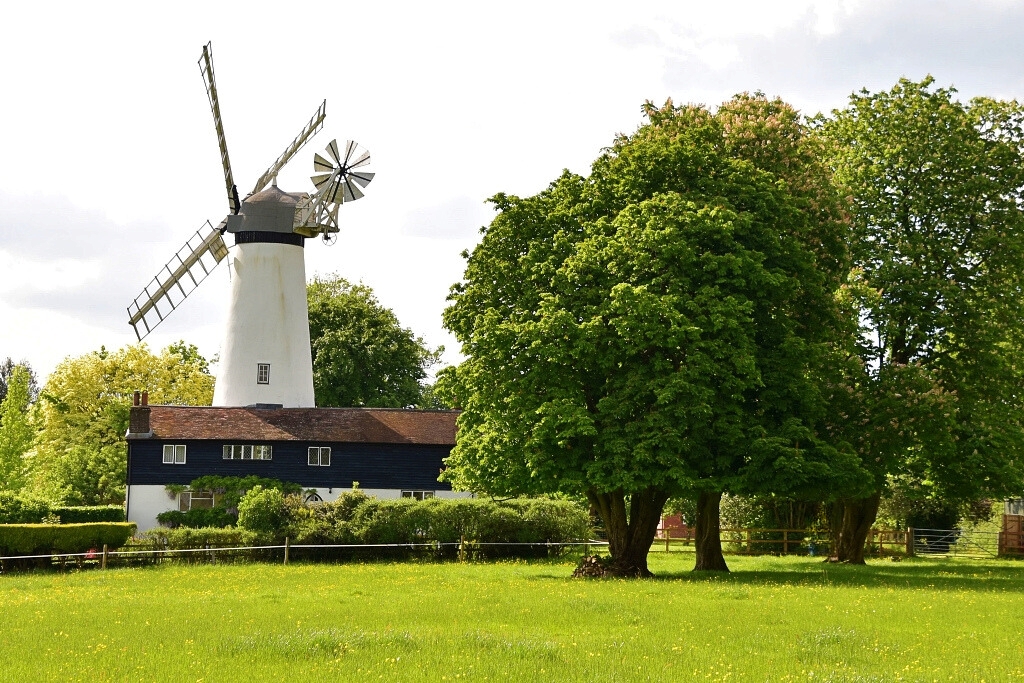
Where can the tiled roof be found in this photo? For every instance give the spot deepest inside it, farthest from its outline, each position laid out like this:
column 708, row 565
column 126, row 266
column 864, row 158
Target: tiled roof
column 344, row 425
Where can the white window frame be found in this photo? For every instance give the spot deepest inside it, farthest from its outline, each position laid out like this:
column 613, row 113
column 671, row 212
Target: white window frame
column 247, row 452
column 263, row 373
column 418, row 495
column 174, row 454
column 319, row 456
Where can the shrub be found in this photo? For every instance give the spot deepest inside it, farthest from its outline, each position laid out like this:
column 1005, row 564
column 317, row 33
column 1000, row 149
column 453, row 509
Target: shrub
column 262, row 510
column 196, row 518
column 19, row 508
column 267, row 516
column 230, row 490
column 41, row 539
column 186, row 538
column 227, row 492
column 89, row 513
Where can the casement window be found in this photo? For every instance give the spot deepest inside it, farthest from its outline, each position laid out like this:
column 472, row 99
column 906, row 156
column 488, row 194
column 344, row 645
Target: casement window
column 263, row 373
column 174, row 454
column 189, row 500
column 248, row 452
column 418, row 495
column 320, row 456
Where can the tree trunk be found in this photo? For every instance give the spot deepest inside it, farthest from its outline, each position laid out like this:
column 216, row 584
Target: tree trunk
column 629, row 536
column 708, row 533
column 858, row 516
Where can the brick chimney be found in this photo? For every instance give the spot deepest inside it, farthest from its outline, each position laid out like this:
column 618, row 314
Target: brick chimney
column 138, row 420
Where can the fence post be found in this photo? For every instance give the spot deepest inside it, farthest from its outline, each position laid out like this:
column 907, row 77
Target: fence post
column 667, row 536
column 287, row 547
column 785, row 541
column 748, row 542
column 103, row 562
column 462, row 548
column 910, row 541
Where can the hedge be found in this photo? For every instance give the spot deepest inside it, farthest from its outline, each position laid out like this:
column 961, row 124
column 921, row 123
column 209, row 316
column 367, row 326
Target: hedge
column 197, row 518
column 356, row 519
column 43, row 539
column 15, row 509
column 89, row 513
column 184, row 538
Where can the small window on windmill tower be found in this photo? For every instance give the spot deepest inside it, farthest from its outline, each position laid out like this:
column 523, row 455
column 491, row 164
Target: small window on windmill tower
column 263, row 373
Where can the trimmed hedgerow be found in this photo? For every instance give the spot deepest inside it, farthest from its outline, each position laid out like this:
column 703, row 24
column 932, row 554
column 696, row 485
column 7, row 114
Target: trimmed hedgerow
column 188, row 538
column 41, row 539
column 356, row 519
column 88, row 513
column 19, row 509
column 197, row 518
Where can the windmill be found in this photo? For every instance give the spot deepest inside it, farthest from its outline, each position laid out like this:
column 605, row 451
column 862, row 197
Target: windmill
column 265, row 355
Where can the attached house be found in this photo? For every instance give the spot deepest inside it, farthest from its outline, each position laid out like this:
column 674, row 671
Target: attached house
column 391, row 453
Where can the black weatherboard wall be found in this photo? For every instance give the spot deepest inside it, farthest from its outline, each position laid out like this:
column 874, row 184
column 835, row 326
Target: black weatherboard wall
column 373, row 465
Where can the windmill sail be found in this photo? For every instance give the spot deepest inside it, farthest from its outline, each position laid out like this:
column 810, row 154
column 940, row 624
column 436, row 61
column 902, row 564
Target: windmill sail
column 177, row 279
column 206, row 67
column 311, row 129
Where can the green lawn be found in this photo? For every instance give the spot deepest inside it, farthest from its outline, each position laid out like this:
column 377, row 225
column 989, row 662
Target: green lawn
column 772, row 619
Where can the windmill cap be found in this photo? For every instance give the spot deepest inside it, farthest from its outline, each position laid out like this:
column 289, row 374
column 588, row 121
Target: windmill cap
column 270, row 210
column 274, row 194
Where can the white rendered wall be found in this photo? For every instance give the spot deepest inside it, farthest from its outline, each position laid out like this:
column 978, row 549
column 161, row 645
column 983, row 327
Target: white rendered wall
column 268, row 322
column 145, row 502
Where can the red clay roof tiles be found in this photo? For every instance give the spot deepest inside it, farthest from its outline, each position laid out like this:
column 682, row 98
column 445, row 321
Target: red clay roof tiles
column 344, row 425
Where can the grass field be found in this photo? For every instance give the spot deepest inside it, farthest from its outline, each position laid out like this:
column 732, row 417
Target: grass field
column 772, row 619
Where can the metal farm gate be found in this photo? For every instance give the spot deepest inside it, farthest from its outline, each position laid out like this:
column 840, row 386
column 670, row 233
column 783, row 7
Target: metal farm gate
column 956, row 543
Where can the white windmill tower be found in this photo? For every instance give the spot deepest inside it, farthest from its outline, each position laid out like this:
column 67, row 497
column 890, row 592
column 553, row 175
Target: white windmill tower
column 265, row 356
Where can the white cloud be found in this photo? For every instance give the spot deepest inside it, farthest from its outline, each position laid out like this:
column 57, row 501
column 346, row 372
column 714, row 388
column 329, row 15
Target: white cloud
column 110, row 160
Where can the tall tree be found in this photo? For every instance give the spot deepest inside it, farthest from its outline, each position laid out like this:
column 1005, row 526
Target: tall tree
column 84, row 409
column 934, row 384
column 656, row 328
column 7, row 369
column 362, row 356
column 16, row 430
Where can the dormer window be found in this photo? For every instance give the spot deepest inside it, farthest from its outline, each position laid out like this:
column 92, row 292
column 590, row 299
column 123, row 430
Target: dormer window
column 263, row 373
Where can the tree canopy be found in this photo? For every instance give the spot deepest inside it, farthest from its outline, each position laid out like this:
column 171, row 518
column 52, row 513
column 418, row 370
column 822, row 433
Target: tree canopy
column 16, row 431
column 7, row 368
column 362, row 356
column 937, row 247
column 83, row 415
column 658, row 327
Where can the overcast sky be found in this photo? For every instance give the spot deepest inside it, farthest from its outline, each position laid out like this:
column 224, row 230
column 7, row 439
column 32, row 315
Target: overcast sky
column 110, row 162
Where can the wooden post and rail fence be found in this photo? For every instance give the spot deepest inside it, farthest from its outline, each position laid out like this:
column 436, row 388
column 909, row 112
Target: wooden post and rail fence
column 756, row 541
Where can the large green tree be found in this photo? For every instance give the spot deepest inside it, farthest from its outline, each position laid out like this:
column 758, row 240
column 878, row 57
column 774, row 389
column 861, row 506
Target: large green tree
column 7, row 368
column 934, row 380
column 362, row 356
column 83, row 417
column 657, row 328
column 16, row 430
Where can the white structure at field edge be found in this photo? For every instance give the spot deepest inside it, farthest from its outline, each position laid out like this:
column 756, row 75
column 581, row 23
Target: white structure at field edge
column 265, row 355
column 266, row 358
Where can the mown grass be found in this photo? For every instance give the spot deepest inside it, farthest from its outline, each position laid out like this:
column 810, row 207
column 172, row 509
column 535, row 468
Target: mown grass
column 772, row 619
